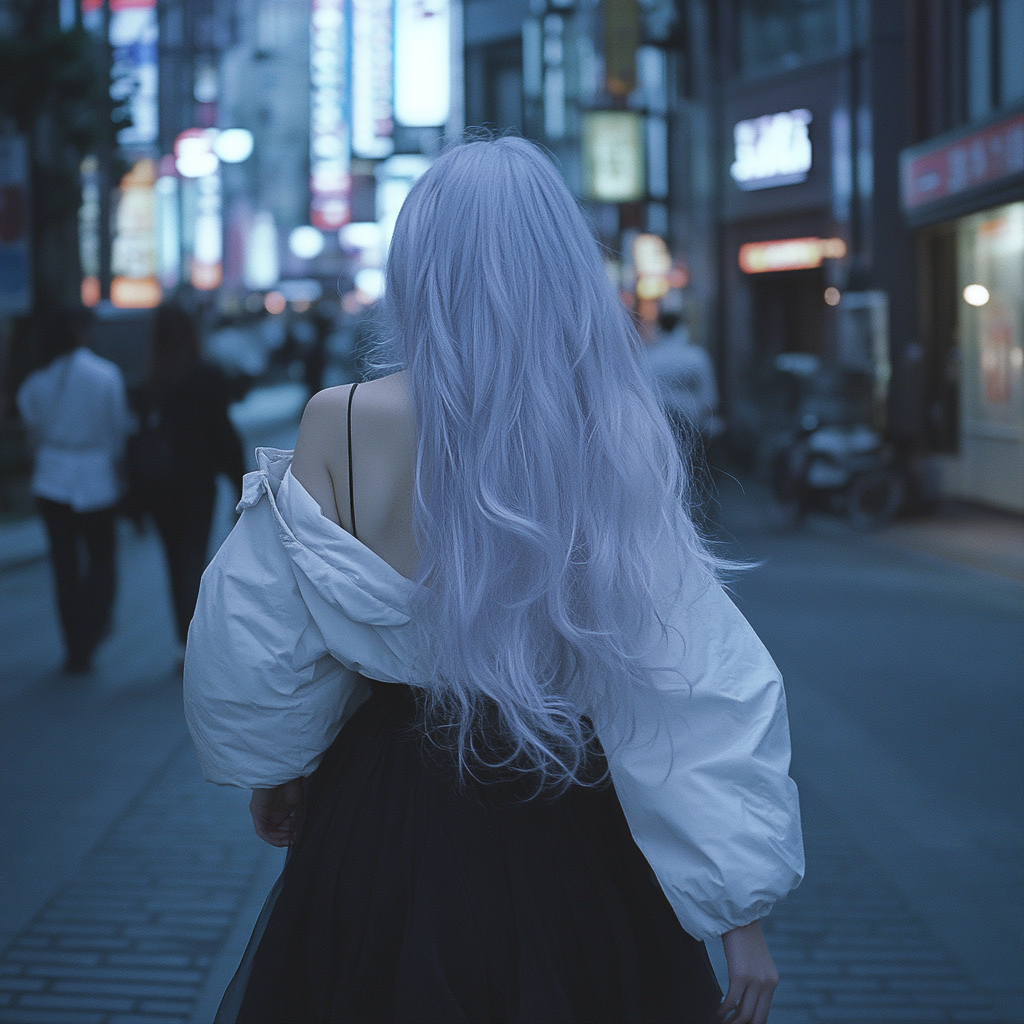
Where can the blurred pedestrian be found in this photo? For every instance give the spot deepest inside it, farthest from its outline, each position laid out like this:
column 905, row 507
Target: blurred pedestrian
column 685, row 377
column 429, row 707
column 184, row 442
column 78, row 419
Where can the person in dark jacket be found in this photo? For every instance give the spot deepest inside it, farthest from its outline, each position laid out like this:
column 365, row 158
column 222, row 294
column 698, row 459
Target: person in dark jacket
column 185, row 441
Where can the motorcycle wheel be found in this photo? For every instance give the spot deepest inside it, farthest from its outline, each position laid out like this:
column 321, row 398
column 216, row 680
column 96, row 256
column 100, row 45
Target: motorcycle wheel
column 874, row 498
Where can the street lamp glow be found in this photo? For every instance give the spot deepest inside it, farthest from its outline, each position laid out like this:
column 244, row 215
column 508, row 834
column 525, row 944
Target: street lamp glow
column 194, row 156
column 234, row 145
column 361, row 235
column 976, row 295
column 306, row 242
column 370, row 282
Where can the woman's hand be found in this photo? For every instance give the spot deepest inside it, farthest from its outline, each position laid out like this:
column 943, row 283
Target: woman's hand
column 277, row 813
column 752, row 976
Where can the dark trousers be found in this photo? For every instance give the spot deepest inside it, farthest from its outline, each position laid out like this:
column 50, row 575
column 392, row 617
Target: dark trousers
column 82, row 548
column 184, row 529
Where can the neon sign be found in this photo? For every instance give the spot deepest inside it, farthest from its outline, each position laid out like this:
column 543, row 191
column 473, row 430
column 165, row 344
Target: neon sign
column 329, row 145
column 372, row 120
column 789, row 254
column 772, row 150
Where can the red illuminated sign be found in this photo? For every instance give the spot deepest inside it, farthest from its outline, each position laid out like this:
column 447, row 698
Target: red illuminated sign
column 980, row 158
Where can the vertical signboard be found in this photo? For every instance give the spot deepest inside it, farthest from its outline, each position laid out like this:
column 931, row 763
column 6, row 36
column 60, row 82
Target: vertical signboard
column 329, row 143
column 133, row 34
column 134, row 283
column 208, row 241
column 372, row 79
column 15, row 255
column 134, row 75
column 613, row 156
column 422, row 62
column 89, row 231
column 168, row 231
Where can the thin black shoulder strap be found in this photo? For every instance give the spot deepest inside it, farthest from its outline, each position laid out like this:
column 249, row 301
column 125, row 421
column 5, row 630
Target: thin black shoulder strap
column 351, row 492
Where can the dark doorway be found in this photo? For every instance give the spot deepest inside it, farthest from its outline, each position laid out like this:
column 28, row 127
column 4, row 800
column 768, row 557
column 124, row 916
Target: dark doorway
column 788, row 313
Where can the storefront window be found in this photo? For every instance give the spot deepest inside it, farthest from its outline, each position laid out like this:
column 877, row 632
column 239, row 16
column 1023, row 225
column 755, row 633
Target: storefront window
column 992, row 322
column 775, row 34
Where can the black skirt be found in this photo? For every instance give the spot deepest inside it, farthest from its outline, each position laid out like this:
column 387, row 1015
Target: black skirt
column 410, row 898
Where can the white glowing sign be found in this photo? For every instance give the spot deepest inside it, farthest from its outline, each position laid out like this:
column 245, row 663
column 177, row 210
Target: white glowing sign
column 262, row 269
column 422, row 62
column 372, row 120
column 329, row 146
column 772, row 150
column 208, row 242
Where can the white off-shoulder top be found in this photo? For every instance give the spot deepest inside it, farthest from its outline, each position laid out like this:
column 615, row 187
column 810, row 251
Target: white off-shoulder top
column 293, row 611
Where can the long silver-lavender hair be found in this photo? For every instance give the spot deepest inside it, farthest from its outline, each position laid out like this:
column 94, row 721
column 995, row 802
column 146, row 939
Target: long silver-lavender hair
column 547, row 478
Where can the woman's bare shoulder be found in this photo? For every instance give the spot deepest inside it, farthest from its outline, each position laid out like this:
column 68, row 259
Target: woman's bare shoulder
column 383, row 443
column 381, row 399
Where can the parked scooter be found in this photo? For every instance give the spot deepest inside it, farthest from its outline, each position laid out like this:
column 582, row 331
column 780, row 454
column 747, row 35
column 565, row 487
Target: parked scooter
column 845, row 469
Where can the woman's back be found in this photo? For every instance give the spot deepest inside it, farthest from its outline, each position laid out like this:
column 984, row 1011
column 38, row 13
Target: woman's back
column 383, row 452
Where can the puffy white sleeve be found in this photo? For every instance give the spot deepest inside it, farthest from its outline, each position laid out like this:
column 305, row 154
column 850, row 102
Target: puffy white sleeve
column 703, row 779
column 264, row 698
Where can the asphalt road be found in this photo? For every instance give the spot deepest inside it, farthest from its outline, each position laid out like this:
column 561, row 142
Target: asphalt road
column 905, row 681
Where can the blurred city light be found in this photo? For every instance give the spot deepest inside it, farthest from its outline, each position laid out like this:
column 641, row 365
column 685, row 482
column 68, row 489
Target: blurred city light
column 789, row 254
column 976, row 295
column 370, row 282
column 372, row 79
column 306, row 242
column 613, row 156
column 261, row 269
column 422, row 62
column 133, row 35
column 653, row 264
column 329, row 141
column 832, row 296
column 194, row 155
column 208, row 239
column 360, row 235
column 168, row 230
column 234, row 145
column 772, row 150
column 274, row 303
column 133, row 258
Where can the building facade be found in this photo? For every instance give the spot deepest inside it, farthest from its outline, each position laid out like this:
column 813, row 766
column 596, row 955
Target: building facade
column 962, row 192
column 790, row 120
column 771, row 138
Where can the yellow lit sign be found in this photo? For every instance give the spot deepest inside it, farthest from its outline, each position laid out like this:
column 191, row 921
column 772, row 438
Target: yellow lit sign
column 613, row 156
column 789, row 254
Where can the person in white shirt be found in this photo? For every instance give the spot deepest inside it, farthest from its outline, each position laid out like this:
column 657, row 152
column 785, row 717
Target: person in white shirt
column 685, row 376
column 77, row 413
column 469, row 600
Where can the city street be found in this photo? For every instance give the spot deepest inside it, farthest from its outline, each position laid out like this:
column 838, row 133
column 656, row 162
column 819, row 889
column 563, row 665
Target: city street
column 129, row 885
column 904, row 678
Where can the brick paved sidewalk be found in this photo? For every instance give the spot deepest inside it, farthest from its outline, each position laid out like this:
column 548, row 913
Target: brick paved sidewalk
column 139, row 934
column 135, row 936
column 850, row 952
